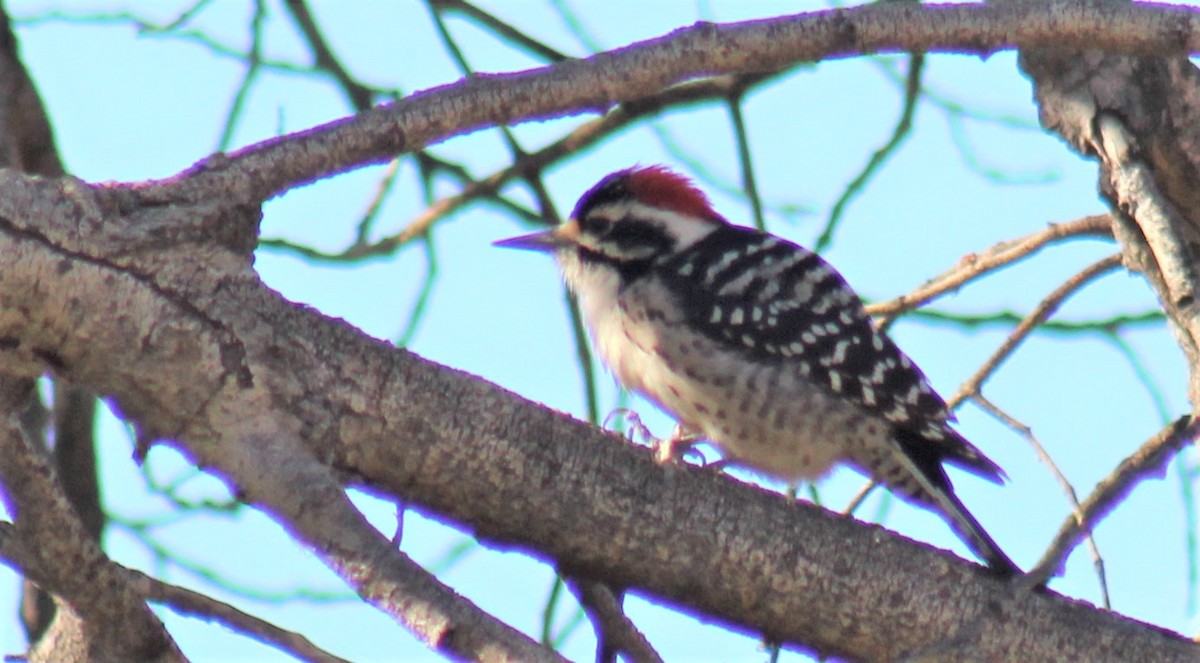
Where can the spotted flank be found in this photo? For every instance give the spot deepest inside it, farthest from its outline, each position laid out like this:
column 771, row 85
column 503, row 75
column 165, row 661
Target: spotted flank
column 773, row 300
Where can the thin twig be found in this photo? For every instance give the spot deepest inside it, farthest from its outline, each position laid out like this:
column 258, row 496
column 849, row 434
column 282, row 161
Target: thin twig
column 746, row 159
column 615, row 632
column 1150, row 459
column 194, row 604
column 503, row 30
column 16, row 551
column 1150, row 318
column 357, row 94
column 574, row 142
column 981, row 264
column 387, row 182
column 912, row 94
column 860, row 497
column 957, row 116
column 579, row 139
column 1044, row 310
column 971, row 388
column 1069, row 490
column 253, row 64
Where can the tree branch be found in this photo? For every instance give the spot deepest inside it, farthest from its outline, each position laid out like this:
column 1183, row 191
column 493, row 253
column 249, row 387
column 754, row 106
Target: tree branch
column 1113, row 107
column 18, row 554
column 98, row 615
column 217, row 349
column 1040, row 314
column 573, row 143
column 272, row 470
column 156, row 305
column 985, row 262
column 1150, row 459
column 615, row 632
column 266, row 169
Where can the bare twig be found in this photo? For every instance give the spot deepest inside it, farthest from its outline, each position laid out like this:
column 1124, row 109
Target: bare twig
column 1150, row 459
column 912, row 94
column 357, row 94
column 614, row 630
column 958, row 115
column 502, row 29
column 574, row 142
column 746, row 159
column 860, row 497
column 16, row 552
column 194, row 604
column 1069, row 490
column 980, row 264
column 1044, row 310
column 971, row 388
column 253, row 64
column 1148, row 319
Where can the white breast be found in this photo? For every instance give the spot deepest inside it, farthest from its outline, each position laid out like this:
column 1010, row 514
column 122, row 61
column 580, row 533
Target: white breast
column 779, row 426
column 622, row 346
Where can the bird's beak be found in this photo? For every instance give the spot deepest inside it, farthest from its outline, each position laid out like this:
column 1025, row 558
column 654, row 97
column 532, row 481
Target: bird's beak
column 566, row 234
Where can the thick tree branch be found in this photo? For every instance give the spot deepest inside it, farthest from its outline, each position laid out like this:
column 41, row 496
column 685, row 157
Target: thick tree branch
column 147, row 294
column 200, row 350
column 275, row 472
column 267, row 169
column 27, row 144
column 574, row 142
column 98, row 616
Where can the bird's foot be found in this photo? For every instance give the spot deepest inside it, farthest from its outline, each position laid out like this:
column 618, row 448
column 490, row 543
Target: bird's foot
column 635, row 430
column 675, row 449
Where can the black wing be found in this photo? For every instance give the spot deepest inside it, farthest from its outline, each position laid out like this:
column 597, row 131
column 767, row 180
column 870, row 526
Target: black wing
column 772, row 301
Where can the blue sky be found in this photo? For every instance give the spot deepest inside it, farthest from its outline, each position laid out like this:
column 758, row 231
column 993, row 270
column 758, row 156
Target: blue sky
column 128, row 107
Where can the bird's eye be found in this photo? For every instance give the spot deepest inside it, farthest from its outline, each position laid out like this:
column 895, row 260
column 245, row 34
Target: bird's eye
column 596, row 226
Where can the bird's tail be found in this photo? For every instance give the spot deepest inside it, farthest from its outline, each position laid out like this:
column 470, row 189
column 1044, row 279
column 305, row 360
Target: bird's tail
column 937, row 492
column 974, row 535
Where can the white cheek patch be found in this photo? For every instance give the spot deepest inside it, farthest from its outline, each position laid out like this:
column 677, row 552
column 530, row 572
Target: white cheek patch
column 687, row 230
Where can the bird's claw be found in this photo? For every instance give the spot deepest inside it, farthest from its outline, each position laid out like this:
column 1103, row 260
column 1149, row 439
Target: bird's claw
column 635, row 430
column 675, row 449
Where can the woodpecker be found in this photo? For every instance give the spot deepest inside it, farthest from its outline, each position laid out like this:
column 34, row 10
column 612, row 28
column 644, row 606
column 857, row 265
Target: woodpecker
column 756, row 344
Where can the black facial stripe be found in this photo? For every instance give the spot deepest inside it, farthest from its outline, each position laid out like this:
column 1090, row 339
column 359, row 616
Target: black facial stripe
column 594, row 225
column 628, row 234
column 628, row 269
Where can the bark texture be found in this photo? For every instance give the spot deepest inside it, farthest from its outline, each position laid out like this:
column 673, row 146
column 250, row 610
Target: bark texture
column 146, row 293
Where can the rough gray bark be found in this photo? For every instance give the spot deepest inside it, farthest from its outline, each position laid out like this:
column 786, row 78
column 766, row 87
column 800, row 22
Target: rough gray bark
column 97, row 616
column 146, row 293
column 1140, row 118
column 27, row 144
column 195, row 349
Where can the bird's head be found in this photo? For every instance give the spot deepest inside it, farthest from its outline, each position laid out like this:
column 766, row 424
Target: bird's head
column 630, row 217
